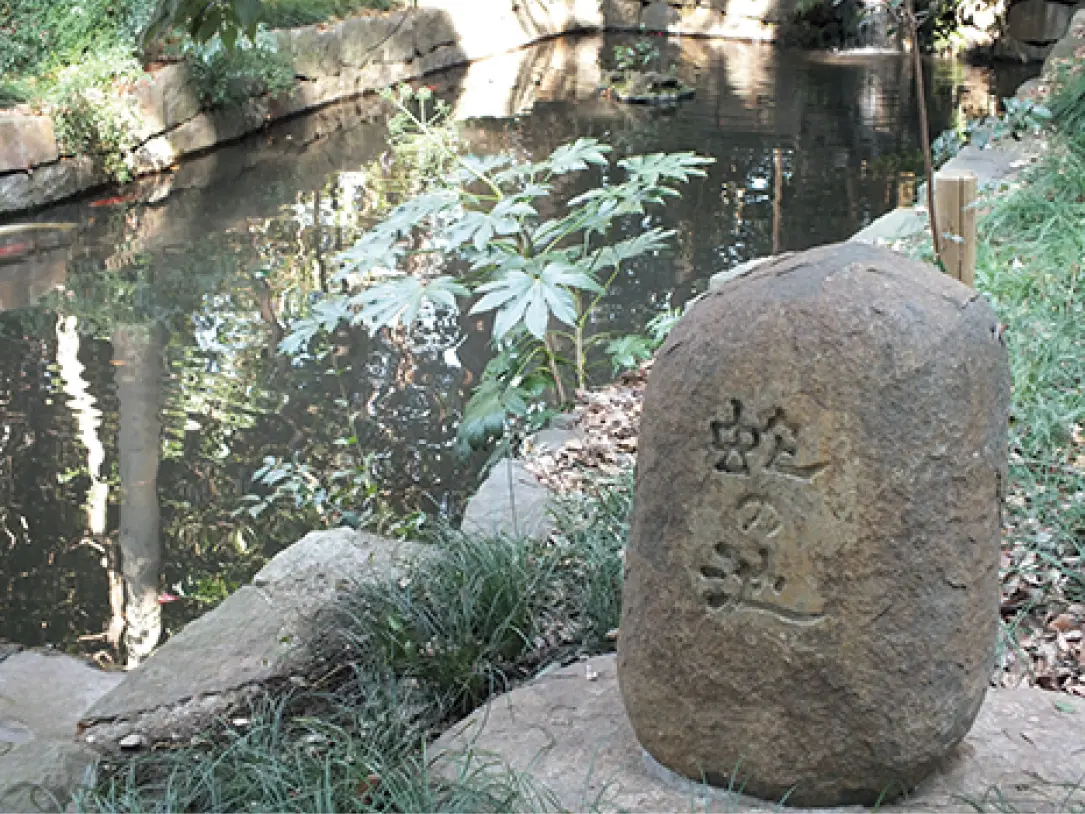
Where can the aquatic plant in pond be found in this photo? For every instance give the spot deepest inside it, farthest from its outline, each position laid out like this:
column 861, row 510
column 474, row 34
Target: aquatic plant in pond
column 539, row 278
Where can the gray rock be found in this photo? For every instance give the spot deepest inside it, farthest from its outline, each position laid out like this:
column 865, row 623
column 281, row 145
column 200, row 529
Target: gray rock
column 1065, row 51
column 522, row 511
column 568, row 733
column 26, row 141
column 721, row 278
column 658, row 16
column 165, row 99
column 42, row 696
column 315, row 51
column 897, row 224
column 1038, row 21
column 48, row 183
column 999, row 162
column 262, row 632
column 812, row 573
column 621, row 14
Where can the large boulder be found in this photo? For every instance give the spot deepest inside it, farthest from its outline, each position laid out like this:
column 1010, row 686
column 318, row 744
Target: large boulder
column 263, row 633
column 811, row 604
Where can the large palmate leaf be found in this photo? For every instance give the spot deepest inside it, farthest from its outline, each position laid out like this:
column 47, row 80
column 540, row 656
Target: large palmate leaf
column 325, row 317
column 577, row 156
column 533, row 297
column 381, row 246
column 478, row 228
column 398, row 301
column 653, row 240
column 657, row 167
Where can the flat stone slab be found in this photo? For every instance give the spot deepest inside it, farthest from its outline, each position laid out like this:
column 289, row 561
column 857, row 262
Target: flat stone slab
column 42, row 697
column 892, row 226
column 569, row 732
column 261, row 632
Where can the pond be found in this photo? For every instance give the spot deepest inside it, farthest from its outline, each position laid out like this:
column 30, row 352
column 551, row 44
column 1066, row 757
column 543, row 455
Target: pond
column 141, row 388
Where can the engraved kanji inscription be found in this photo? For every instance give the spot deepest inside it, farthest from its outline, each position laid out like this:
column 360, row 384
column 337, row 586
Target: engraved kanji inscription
column 756, row 566
column 745, row 444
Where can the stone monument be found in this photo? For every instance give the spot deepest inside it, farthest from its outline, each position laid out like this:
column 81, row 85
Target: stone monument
column 811, row 598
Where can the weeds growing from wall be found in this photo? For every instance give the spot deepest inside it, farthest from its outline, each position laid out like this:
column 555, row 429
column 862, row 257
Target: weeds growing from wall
column 227, row 77
column 91, row 118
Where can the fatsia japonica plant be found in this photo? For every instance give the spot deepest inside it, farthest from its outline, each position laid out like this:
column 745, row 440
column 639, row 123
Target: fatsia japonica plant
column 477, row 236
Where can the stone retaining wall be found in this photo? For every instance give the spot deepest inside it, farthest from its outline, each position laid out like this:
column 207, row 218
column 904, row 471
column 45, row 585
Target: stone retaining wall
column 334, row 62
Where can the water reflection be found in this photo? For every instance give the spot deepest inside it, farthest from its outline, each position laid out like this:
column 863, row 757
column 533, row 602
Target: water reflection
column 140, row 387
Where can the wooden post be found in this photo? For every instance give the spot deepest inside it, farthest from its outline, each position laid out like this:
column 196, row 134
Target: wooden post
column 956, row 198
column 777, row 197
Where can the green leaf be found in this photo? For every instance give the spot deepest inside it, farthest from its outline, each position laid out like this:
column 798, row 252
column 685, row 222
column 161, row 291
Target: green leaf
column 654, row 239
column 577, row 156
column 399, row 301
column 537, row 315
column 249, row 13
column 651, row 169
column 628, row 351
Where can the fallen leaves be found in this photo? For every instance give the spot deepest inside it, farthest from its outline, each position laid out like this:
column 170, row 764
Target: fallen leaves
column 608, row 421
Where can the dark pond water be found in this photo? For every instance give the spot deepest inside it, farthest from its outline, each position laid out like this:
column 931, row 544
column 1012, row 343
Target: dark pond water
column 140, row 388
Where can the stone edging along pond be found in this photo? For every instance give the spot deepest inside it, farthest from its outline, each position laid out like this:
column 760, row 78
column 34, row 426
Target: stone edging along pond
column 337, row 61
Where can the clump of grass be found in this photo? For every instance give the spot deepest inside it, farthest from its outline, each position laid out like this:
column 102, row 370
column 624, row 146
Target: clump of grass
column 460, row 622
column 408, row 655
column 481, row 613
column 357, row 747
column 1068, row 101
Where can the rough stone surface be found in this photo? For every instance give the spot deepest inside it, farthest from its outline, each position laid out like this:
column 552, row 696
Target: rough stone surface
column 1038, row 21
column 570, row 735
column 658, row 17
column 166, row 99
column 26, row 141
column 897, row 224
column 315, row 51
column 812, row 587
column 522, row 511
column 48, row 183
column 42, row 696
column 1069, row 49
column 262, row 632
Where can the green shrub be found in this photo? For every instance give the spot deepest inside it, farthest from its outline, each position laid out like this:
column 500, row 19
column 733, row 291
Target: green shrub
column 37, row 36
column 13, row 92
column 90, row 118
column 226, row 77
